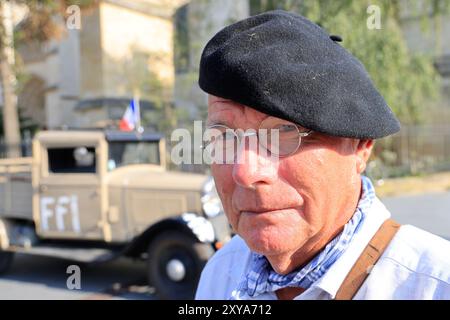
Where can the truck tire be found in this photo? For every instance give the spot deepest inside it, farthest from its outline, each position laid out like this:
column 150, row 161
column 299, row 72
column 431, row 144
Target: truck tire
column 6, row 259
column 175, row 262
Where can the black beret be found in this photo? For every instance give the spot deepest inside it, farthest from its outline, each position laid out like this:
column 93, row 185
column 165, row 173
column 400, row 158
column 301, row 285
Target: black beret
column 284, row 65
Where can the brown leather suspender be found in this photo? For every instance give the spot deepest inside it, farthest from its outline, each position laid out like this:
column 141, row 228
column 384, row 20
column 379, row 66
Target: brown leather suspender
column 367, row 259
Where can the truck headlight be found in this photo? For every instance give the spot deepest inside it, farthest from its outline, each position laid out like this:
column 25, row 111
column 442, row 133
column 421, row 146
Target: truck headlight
column 212, row 206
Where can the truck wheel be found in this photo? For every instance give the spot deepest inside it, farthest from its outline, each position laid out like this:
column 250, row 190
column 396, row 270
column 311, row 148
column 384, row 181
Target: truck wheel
column 6, row 259
column 175, row 262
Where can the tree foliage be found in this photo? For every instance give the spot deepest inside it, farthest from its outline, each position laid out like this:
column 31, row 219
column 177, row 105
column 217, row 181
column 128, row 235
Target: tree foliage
column 42, row 22
column 407, row 80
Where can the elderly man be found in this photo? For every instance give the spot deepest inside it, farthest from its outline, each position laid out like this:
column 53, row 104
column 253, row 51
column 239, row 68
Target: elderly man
column 308, row 224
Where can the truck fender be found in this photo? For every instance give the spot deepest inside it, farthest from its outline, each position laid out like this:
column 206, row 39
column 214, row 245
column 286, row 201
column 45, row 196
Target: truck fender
column 197, row 226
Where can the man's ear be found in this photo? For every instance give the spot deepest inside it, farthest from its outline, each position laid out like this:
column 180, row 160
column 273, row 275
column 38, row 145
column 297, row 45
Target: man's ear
column 363, row 151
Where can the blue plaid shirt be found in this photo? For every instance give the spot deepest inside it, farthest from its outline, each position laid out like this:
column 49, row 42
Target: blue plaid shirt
column 262, row 278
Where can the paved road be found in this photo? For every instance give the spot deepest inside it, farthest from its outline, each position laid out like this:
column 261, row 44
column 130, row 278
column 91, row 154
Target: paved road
column 45, row 278
column 428, row 211
column 33, row 277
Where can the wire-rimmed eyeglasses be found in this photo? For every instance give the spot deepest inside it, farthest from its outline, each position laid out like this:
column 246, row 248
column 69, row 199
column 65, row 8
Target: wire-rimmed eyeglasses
column 279, row 137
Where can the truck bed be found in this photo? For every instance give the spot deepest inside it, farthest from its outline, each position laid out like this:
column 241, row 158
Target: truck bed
column 16, row 190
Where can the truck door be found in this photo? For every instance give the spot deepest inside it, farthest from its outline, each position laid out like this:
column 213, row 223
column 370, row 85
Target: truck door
column 70, row 192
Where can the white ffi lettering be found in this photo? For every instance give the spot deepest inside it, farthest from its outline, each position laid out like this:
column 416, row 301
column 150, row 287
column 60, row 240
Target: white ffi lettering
column 60, row 211
column 46, row 213
column 75, row 214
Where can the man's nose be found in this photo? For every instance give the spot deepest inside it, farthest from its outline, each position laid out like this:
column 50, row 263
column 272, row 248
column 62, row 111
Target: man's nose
column 254, row 165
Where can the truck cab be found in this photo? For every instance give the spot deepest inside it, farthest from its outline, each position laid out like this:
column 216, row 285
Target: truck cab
column 94, row 195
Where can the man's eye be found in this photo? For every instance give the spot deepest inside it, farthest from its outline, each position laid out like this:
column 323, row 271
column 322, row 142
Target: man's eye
column 286, row 128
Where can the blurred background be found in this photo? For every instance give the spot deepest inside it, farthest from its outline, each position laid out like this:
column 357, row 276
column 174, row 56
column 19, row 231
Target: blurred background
column 78, row 64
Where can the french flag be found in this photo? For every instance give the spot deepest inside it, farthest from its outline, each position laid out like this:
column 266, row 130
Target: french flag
column 131, row 118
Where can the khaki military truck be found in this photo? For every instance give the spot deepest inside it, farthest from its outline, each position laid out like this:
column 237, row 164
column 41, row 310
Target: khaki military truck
column 92, row 196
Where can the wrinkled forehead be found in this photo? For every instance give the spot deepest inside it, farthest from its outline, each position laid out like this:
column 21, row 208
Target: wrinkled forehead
column 232, row 114
column 235, row 115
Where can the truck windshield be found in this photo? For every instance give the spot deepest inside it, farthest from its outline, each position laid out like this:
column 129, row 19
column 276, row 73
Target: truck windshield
column 122, row 153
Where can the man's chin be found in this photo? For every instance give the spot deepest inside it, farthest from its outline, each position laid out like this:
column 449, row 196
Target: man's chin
column 270, row 232
column 266, row 243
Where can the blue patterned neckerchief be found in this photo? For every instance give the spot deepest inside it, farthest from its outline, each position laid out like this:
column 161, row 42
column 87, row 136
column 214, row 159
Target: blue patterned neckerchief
column 261, row 278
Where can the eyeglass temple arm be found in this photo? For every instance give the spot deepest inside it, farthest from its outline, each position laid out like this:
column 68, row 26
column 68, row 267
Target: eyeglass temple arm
column 305, row 134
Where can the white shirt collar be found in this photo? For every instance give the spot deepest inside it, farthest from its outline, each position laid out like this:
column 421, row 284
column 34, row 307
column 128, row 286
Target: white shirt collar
column 330, row 282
